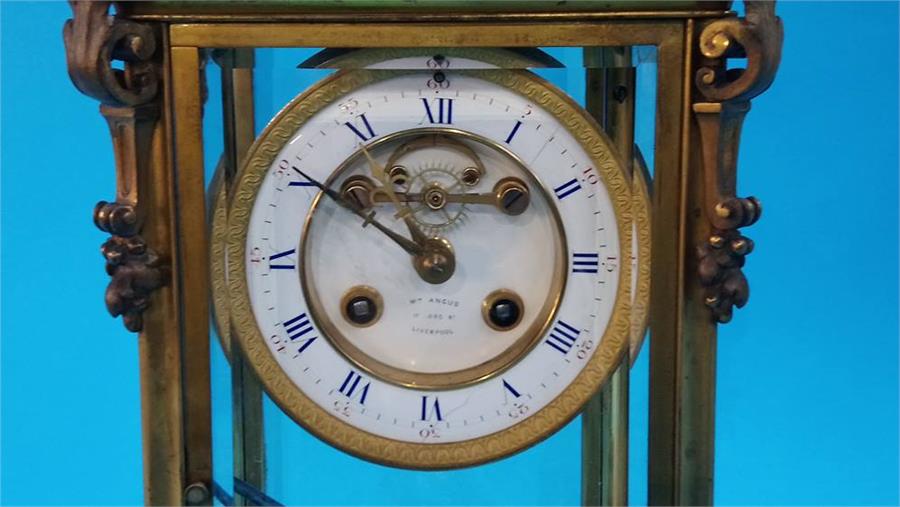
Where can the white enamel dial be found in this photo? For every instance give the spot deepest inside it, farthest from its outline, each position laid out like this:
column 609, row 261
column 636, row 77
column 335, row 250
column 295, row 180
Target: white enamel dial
column 561, row 256
column 427, row 328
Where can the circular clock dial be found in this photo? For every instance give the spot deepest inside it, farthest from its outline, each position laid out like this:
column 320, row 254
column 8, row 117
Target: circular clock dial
column 460, row 273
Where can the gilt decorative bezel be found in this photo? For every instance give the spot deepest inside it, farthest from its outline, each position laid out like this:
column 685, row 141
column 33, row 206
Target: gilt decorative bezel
column 641, row 206
column 394, row 452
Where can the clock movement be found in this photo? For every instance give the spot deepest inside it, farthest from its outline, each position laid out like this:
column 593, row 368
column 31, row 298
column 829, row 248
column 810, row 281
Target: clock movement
column 436, row 255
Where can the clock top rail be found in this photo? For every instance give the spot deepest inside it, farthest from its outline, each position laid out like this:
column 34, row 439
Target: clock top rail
column 394, row 34
column 366, row 11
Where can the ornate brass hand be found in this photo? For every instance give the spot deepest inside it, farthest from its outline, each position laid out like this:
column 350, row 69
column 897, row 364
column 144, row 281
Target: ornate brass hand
column 436, row 263
column 387, row 187
column 433, row 258
column 411, row 247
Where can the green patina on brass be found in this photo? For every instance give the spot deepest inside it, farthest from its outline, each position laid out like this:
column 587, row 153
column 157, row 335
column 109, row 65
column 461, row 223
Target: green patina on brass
column 193, row 7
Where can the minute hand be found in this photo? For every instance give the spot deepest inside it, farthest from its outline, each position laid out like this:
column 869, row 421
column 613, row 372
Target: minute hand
column 403, row 211
column 409, row 246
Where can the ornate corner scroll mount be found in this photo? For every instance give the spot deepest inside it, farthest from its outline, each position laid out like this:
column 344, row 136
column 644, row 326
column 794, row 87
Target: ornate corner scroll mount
column 94, row 40
column 720, row 115
column 95, row 43
column 758, row 37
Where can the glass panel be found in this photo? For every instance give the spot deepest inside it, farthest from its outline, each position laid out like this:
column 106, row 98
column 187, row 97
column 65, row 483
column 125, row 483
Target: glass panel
column 220, row 371
column 644, row 58
column 645, row 103
column 303, row 470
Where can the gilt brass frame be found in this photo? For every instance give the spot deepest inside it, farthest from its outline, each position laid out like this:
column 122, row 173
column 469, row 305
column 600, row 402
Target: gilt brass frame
column 162, row 45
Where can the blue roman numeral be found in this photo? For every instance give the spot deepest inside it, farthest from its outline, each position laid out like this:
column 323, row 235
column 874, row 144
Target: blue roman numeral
column 563, row 337
column 511, row 389
column 434, row 411
column 444, row 111
column 567, row 188
column 287, row 262
column 513, row 133
column 351, row 382
column 297, row 328
column 365, row 136
column 302, row 183
column 585, row 262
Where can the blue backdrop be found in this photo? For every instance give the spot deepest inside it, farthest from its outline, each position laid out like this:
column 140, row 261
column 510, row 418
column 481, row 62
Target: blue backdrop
column 808, row 372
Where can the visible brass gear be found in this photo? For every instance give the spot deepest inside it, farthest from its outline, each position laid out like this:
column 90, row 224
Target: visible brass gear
column 434, row 214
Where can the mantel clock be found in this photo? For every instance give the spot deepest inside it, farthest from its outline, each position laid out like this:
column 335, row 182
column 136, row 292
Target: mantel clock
column 445, row 246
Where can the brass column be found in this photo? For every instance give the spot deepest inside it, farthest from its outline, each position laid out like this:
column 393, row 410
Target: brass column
column 247, row 395
column 682, row 379
column 668, row 272
column 193, row 269
column 604, row 441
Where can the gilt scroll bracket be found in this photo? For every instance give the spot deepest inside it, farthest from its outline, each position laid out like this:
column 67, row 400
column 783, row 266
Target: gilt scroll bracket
column 723, row 100
column 95, row 41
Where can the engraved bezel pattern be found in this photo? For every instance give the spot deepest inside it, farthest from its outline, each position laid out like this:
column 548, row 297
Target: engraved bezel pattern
column 641, row 208
column 217, row 210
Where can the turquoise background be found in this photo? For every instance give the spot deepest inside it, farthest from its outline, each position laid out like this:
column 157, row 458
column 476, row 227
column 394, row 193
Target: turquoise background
column 808, row 372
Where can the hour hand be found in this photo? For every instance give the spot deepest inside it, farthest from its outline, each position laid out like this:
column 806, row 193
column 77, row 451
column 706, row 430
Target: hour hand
column 403, row 210
column 433, row 258
column 411, row 247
